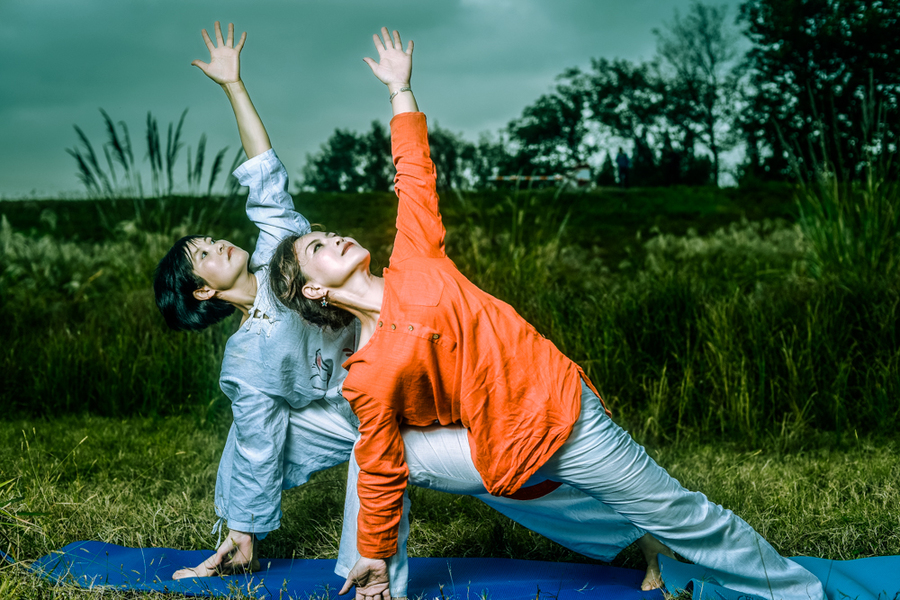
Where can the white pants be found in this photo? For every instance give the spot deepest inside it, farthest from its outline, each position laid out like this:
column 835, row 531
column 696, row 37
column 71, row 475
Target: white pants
column 602, row 460
column 439, row 459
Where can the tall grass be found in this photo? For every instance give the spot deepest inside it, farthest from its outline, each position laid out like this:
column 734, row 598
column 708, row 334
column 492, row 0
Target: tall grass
column 729, row 334
column 85, row 335
column 725, row 335
column 853, row 225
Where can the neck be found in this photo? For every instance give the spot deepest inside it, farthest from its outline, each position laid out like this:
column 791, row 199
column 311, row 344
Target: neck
column 362, row 298
column 242, row 294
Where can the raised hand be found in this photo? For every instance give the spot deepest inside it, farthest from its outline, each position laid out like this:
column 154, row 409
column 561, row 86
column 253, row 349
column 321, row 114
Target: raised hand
column 370, row 576
column 237, row 554
column 224, row 64
column 394, row 66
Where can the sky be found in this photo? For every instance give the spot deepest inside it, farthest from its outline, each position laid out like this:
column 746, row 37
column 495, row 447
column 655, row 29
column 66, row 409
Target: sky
column 477, row 64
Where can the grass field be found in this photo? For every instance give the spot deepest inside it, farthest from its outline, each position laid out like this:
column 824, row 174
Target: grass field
column 750, row 375
column 149, row 482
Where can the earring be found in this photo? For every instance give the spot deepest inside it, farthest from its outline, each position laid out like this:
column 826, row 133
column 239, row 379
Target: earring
column 324, row 302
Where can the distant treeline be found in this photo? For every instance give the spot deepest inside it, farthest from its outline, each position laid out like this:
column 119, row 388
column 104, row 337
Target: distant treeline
column 798, row 88
column 809, row 82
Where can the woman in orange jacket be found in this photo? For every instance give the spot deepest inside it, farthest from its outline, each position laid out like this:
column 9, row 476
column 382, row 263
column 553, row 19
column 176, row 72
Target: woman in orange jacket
column 435, row 348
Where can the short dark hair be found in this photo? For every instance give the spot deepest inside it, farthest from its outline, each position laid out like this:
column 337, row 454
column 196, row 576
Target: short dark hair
column 286, row 280
column 174, row 284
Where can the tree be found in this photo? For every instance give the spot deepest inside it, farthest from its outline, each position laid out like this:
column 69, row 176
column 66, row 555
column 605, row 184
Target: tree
column 453, row 158
column 375, row 157
column 628, row 102
column 815, row 64
column 551, row 132
column 606, row 175
column 492, row 157
column 351, row 162
column 333, row 168
column 700, row 52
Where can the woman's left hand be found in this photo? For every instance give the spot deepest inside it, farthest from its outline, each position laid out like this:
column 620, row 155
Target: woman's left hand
column 394, row 66
column 370, row 576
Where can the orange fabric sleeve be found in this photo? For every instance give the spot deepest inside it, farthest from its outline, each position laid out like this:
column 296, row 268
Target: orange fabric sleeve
column 420, row 230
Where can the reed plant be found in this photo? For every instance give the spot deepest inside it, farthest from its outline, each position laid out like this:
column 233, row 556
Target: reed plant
column 104, row 183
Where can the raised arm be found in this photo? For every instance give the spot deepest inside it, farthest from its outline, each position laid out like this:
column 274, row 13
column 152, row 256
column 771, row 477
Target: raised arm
column 420, row 231
column 224, row 67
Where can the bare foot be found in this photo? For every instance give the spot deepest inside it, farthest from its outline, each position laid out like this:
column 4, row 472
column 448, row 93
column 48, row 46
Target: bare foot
column 652, row 548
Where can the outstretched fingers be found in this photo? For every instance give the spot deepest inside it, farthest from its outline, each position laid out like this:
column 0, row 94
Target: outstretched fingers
column 241, row 41
column 209, row 45
column 379, row 44
column 219, row 40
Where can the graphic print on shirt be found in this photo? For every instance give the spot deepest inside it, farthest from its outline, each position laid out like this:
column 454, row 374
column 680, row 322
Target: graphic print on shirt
column 323, row 368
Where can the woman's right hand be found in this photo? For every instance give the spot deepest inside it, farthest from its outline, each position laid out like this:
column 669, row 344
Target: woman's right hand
column 224, row 64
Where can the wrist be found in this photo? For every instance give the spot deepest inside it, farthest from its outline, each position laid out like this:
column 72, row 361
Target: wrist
column 395, row 87
column 398, row 92
column 239, row 533
column 234, row 87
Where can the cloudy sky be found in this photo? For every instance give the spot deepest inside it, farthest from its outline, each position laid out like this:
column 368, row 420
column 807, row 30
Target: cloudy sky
column 477, row 64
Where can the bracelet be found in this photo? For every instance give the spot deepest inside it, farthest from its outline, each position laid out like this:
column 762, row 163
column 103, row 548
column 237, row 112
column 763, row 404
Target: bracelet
column 403, row 89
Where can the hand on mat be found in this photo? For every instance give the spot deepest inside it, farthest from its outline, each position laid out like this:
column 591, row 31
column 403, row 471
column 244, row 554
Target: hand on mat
column 224, row 64
column 394, row 66
column 370, row 576
column 237, row 554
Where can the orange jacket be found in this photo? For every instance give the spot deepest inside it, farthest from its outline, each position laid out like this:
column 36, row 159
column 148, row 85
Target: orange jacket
column 445, row 351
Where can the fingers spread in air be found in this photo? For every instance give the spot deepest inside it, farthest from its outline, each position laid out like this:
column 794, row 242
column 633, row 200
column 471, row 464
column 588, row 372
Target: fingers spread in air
column 379, row 45
column 206, row 39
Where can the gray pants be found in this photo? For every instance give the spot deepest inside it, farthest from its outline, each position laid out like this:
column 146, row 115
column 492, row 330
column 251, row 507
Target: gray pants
column 602, row 460
column 439, row 459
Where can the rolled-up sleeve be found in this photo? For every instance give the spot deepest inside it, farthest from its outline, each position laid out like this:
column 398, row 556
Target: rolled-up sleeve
column 249, row 483
column 382, row 478
column 420, row 229
column 269, row 205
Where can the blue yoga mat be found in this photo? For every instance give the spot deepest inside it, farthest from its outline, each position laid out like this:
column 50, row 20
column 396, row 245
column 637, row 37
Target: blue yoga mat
column 875, row 578
column 94, row 564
